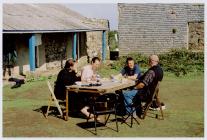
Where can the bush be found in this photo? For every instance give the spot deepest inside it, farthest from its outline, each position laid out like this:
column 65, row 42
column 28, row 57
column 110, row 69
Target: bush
column 182, row 61
column 178, row 61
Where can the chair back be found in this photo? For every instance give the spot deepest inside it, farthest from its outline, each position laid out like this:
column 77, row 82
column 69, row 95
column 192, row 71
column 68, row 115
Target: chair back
column 154, row 98
column 156, row 90
column 107, row 101
column 54, row 98
column 50, row 87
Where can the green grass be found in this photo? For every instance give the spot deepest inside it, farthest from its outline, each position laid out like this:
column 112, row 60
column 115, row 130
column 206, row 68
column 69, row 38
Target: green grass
column 184, row 116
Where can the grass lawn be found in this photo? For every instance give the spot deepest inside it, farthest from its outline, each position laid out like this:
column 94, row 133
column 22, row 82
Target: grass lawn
column 184, row 114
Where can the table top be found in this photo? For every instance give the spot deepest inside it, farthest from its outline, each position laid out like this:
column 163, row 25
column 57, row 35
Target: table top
column 107, row 86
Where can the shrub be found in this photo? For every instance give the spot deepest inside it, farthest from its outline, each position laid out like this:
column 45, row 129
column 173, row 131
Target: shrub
column 178, row 61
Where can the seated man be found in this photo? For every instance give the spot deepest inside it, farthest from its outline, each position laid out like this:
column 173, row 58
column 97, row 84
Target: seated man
column 131, row 71
column 88, row 74
column 146, row 82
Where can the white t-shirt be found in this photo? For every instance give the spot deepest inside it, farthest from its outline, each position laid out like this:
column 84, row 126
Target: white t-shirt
column 87, row 73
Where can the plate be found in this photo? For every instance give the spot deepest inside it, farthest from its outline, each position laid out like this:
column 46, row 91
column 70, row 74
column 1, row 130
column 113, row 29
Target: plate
column 78, row 83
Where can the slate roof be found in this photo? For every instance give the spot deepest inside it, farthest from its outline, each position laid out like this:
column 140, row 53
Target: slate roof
column 39, row 18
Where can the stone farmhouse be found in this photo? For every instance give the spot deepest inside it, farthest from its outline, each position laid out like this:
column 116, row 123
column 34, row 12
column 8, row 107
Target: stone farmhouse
column 44, row 36
column 157, row 28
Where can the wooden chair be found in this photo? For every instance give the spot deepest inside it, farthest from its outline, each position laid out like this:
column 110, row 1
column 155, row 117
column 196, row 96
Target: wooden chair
column 149, row 102
column 54, row 100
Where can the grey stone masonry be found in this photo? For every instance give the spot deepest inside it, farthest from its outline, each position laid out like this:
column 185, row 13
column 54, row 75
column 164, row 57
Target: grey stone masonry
column 156, row 28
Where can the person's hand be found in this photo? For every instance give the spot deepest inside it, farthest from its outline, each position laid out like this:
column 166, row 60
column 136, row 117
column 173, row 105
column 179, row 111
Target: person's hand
column 93, row 77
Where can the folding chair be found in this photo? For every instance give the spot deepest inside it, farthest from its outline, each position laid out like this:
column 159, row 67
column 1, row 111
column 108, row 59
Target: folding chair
column 53, row 100
column 133, row 107
column 104, row 105
column 154, row 98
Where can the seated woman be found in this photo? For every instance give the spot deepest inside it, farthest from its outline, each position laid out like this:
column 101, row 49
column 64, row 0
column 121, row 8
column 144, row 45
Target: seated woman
column 67, row 76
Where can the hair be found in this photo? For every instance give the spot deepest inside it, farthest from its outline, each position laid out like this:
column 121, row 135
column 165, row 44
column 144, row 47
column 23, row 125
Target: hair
column 154, row 58
column 129, row 59
column 94, row 59
column 69, row 63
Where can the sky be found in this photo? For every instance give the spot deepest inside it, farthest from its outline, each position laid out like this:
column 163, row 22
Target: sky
column 97, row 10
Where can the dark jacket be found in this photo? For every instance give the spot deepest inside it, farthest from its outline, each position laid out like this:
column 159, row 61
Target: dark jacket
column 158, row 77
column 64, row 78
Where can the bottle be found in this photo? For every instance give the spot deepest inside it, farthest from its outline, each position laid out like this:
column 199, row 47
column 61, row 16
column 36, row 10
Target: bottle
column 98, row 78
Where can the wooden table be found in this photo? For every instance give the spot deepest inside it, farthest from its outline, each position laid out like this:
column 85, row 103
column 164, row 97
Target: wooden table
column 106, row 87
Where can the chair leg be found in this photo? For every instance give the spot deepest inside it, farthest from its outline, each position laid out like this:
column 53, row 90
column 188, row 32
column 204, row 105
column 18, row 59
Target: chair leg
column 59, row 108
column 161, row 111
column 107, row 119
column 95, row 121
column 48, row 108
column 146, row 109
column 130, row 114
column 116, row 123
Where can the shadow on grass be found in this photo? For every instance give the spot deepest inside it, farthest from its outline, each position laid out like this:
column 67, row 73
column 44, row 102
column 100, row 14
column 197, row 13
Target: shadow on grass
column 154, row 114
column 90, row 126
column 55, row 113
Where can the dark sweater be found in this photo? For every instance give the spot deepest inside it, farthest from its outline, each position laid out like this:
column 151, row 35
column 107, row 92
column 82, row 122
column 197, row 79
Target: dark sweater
column 64, row 78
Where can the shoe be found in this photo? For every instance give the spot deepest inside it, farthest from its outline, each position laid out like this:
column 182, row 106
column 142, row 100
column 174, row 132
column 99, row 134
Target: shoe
column 163, row 107
column 157, row 108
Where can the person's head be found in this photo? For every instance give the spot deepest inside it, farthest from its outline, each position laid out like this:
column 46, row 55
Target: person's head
column 130, row 62
column 95, row 62
column 69, row 64
column 153, row 60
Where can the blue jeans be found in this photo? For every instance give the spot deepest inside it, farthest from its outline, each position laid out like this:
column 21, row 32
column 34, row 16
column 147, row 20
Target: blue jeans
column 128, row 98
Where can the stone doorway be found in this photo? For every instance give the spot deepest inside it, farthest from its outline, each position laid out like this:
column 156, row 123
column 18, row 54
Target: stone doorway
column 196, row 35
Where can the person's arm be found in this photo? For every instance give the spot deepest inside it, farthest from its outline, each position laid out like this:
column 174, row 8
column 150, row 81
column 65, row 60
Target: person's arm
column 84, row 75
column 147, row 80
column 140, row 85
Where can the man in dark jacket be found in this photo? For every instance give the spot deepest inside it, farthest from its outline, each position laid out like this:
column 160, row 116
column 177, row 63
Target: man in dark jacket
column 148, row 81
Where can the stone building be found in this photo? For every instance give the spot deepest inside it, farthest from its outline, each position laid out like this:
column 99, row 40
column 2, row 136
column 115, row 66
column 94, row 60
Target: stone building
column 156, row 28
column 44, row 36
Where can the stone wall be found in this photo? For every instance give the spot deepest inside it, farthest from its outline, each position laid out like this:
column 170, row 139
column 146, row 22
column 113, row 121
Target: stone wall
column 94, row 40
column 196, row 35
column 155, row 28
column 57, row 46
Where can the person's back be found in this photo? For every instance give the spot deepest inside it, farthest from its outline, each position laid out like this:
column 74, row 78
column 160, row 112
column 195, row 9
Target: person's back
column 157, row 73
column 66, row 76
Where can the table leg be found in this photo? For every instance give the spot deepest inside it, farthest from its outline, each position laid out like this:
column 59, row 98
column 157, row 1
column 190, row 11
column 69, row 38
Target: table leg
column 67, row 105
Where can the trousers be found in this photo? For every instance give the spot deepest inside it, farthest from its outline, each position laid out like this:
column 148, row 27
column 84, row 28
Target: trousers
column 128, row 98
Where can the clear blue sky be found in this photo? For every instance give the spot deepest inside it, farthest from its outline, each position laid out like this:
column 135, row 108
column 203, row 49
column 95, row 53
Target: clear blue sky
column 98, row 10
